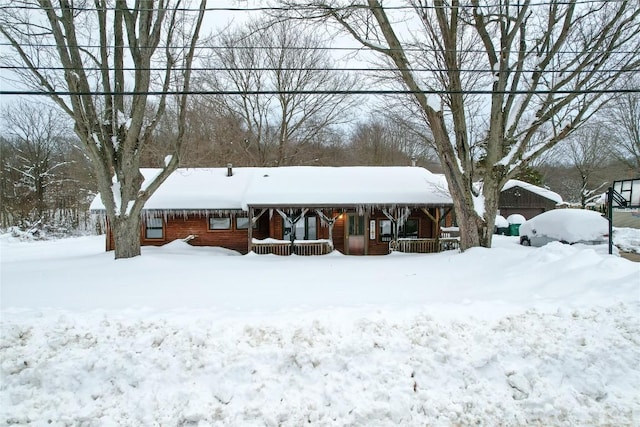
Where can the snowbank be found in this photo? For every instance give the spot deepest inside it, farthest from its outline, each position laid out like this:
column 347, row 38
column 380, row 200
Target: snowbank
column 190, row 336
column 627, row 239
column 572, row 367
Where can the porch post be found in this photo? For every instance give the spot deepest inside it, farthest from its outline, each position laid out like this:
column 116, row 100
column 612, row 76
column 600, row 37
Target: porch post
column 250, row 230
column 394, row 223
column 435, row 220
column 330, row 221
column 396, row 226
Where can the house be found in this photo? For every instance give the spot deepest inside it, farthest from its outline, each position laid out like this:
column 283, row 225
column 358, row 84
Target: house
column 302, row 210
column 528, row 200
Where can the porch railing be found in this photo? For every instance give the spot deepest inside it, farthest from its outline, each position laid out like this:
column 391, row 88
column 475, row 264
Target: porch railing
column 424, row 246
column 284, row 247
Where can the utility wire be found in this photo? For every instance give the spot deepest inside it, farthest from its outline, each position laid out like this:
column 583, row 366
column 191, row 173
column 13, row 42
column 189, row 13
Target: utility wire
column 319, row 8
column 319, row 92
column 336, row 48
column 305, row 69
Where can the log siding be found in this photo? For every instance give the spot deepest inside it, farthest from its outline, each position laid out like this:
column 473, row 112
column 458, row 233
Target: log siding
column 195, row 228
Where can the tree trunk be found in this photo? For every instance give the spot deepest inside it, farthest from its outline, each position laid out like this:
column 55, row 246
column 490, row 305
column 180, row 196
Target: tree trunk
column 467, row 219
column 126, row 235
column 491, row 193
column 459, row 183
column 114, row 127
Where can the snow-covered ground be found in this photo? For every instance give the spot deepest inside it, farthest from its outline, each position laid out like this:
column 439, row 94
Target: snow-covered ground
column 627, row 239
column 196, row 336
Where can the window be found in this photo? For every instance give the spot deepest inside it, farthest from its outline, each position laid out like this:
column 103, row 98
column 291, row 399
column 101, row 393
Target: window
column 356, row 225
column 153, row 228
column 409, row 230
column 305, row 229
column 385, row 230
column 242, row 223
column 311, row 232
column 219, row 223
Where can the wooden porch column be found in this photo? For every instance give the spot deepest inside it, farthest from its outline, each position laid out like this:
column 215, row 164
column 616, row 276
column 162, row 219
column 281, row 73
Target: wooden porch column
column 397, row 220
column 394, row 222
column 436, row 220
column 252, row 221
column 250, row 231
column 330, row 221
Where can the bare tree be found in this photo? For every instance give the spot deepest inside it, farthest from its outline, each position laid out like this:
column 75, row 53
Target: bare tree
column 283, row 60
column 7, row 184
column 214, row 137
column 85, row 56
column 388, row 140
column 622, row 120
column 587, row 154
column 36, row 134
column 45, row 177
column 498, row 83
column 9, row 194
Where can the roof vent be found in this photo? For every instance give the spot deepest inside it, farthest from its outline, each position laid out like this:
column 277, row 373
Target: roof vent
column 229, row 169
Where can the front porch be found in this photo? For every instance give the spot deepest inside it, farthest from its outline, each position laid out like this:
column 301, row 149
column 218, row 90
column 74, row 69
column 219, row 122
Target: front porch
column 424, row 246
column 351, row 230
column 297, row 247
column 323, row 247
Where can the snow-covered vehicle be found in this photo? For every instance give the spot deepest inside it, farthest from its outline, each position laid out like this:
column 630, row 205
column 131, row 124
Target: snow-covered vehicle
column 567, row 226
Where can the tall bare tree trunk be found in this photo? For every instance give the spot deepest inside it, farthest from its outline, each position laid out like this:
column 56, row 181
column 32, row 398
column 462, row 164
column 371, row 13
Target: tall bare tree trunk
column 516, row 65
column 93, row 43
column 126, row 235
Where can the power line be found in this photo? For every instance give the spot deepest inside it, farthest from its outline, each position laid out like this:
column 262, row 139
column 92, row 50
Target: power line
column 320, row 48
column 304, row 69
column 319, row 92
column 328, row 8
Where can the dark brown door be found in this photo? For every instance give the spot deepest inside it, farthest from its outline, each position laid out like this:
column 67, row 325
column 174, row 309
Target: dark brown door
column 355, row 235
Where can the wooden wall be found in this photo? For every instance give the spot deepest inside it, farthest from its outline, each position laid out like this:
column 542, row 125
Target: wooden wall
column 198, row 225
column 272, row 226
column 518, row 200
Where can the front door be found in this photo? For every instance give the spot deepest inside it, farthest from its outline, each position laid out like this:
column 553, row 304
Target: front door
column 355, row 234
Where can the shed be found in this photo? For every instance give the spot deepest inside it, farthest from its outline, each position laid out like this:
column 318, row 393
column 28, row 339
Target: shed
column 528, row 200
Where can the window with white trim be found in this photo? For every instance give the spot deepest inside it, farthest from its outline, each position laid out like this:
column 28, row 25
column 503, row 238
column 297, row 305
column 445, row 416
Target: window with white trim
column 153, row 228
column 217, row 223
column 242, row 223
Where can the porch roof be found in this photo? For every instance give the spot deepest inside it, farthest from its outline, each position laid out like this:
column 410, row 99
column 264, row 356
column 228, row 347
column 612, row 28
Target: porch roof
column 194, row 189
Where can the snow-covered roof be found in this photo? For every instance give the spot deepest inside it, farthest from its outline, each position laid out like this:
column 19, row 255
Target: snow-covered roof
column 212, row 189
column 195, row 189
column 346, row 186
column 548, row 194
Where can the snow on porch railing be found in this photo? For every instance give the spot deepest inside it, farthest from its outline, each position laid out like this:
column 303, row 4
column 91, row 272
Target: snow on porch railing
column 284, row 247
column 424, row 246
